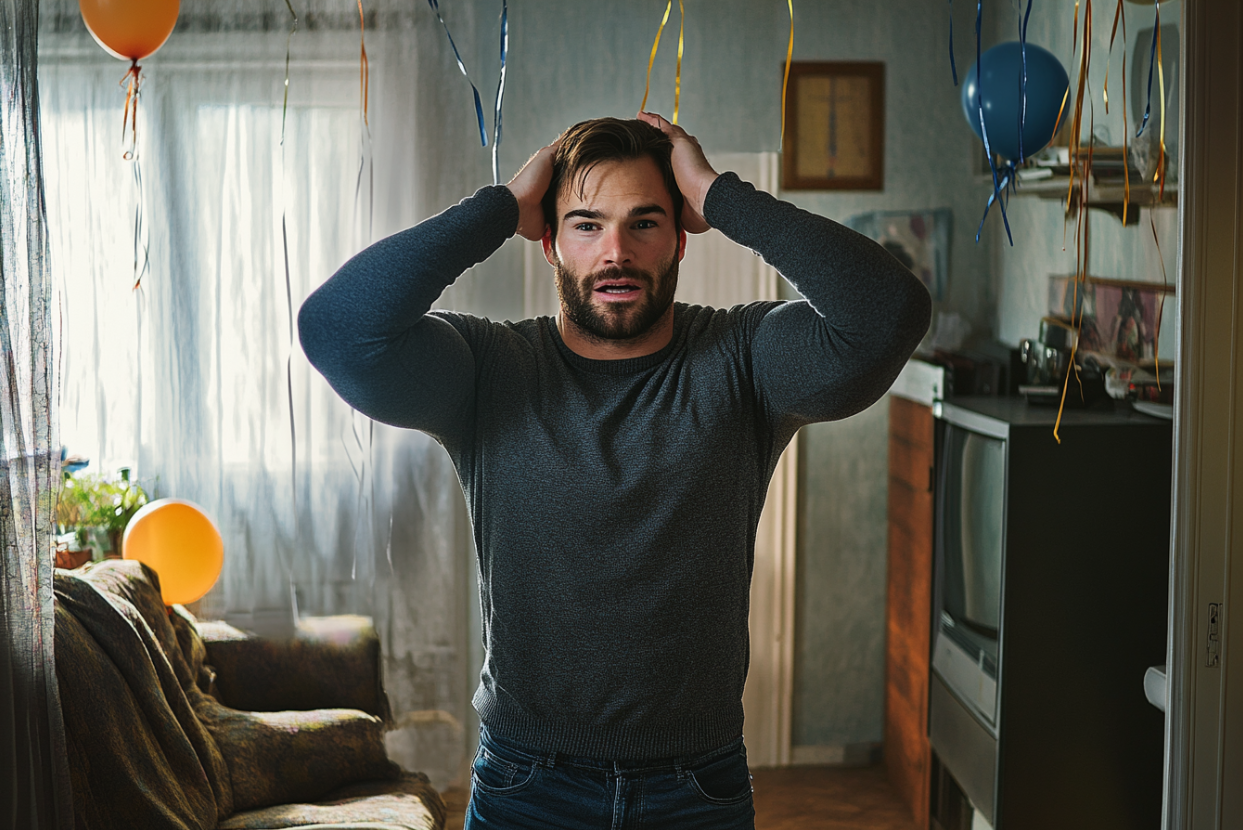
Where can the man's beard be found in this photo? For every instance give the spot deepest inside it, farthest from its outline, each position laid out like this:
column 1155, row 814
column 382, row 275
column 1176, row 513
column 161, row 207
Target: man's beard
column 617, row 320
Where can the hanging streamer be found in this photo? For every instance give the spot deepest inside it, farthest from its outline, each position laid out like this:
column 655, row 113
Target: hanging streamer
column 1153, row 62
column 293, row 432
column 364, row 66
column 1160, row 174
column 677, row 78
column 1023, row 81
column 652, row 60
column 1120, row 16
column 953, row 66
column 500, row 95
column 785, row 81
column 979, row 99
column 483, row 130
column 1081, row 168
column 288, row 46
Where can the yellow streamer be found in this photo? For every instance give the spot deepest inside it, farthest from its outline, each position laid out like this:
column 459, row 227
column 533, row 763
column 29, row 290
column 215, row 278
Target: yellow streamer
column 1160, row 174
column 652, row 59
column 677, row 77
column 785, row 82
column 364, row 67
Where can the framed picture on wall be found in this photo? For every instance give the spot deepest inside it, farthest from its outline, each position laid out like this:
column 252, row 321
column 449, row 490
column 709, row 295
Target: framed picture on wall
column 835, row 127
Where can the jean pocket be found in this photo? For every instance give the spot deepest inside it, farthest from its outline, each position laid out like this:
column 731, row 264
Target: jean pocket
column 726, row 780
column 497, row 776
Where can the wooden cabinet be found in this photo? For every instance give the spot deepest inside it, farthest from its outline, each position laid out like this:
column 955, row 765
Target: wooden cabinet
column 908, row 616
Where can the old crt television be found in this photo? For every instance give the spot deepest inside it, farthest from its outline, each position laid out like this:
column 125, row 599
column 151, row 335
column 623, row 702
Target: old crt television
column 1050, row 584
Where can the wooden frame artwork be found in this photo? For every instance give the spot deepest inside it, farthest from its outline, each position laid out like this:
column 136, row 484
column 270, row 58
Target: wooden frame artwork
column 835, row 127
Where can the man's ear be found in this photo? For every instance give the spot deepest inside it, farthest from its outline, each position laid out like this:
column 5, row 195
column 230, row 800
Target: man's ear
column 546, row 241
column 681, row 244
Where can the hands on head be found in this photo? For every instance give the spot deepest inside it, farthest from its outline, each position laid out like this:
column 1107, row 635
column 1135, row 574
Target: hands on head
column 690, row 167
column 695, row 176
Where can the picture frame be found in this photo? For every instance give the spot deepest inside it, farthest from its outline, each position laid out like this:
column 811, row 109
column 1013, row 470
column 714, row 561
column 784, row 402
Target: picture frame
column 835, row 126
column 1120, row 318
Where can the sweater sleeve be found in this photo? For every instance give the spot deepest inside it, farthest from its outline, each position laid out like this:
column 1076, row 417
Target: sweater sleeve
column 368, row 331
column 837, row 352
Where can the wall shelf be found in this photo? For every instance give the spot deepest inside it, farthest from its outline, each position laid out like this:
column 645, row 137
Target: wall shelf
column 1107, row 197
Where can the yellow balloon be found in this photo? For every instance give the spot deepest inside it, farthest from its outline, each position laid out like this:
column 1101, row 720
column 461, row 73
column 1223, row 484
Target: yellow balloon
column 182, row 545
column 130, row 29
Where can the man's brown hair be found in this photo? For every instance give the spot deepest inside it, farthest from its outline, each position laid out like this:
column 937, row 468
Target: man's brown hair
column 588, row 143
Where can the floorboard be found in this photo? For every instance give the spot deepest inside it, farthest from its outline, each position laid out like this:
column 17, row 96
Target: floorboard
column 797, row 798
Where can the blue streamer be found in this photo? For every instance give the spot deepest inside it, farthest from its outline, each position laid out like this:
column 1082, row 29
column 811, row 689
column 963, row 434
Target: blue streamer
column 988, row 150
column 483, row 131
column 1023, row 82
column 1152, row 64
column 500, row 96
column 953, row 68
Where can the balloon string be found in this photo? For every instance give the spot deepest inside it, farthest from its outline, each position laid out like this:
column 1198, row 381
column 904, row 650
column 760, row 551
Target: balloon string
column 500, row 95
column 140, row 245
column 677, row 76
column 652, row 60
column 132, row 81
column 953, row 66
column 785, row 81
column 457, row 56
column 364, row 66
column 1165, row 281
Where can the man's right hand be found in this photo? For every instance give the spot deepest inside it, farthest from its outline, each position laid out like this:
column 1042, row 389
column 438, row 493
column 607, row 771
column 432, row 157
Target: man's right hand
column 529, row 187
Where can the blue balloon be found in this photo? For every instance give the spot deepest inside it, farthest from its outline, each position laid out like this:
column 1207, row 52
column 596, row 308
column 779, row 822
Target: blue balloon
column 1000, row 94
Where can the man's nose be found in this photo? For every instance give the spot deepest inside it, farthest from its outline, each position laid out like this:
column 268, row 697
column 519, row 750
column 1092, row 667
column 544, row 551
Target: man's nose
column 616, row 246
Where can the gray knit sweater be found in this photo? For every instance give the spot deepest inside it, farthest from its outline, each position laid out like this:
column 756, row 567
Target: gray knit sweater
column 615, row 502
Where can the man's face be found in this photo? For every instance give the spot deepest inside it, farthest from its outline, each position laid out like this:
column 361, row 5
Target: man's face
column 616, row 251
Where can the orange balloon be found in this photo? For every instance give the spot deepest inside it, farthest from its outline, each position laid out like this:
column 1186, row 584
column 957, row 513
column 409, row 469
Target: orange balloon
column 182, row 545
column 130, row 29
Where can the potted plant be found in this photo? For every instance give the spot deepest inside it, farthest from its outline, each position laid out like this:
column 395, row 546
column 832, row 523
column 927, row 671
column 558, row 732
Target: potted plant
column 91, row 504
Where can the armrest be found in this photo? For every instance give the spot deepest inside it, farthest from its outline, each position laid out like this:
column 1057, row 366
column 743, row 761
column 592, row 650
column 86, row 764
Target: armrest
column 330, row 663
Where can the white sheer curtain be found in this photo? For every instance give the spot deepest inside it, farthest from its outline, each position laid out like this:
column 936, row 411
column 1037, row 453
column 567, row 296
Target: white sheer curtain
column 194, row 380
column 34, row 778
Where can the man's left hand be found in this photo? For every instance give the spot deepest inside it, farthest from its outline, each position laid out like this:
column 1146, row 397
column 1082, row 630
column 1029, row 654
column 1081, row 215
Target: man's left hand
column 691, row 169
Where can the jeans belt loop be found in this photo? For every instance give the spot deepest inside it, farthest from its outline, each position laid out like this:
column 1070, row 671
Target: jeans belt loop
column 681, row 771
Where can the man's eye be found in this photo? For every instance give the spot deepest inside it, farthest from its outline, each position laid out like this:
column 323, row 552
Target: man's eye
column 645, row 224
column 585, row 226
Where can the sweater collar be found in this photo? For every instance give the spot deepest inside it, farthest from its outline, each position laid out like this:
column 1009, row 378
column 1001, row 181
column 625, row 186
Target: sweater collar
column 623, row 366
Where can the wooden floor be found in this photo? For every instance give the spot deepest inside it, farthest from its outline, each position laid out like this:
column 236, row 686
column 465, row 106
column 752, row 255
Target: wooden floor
column 798, row 798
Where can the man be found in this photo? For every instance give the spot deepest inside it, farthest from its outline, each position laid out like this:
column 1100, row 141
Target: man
column 615, row 458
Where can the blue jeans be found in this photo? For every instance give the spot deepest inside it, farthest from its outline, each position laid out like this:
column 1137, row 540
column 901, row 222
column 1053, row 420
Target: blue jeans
column 515, row 788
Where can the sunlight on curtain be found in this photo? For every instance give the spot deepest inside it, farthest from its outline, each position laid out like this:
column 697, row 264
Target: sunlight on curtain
column 34, row 782
column 186, row 378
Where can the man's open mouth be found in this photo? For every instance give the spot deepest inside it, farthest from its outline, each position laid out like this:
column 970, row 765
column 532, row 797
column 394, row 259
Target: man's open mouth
column 616, row 290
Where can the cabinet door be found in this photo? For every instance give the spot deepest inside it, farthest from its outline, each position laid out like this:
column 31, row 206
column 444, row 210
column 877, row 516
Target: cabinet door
column 909, row 603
